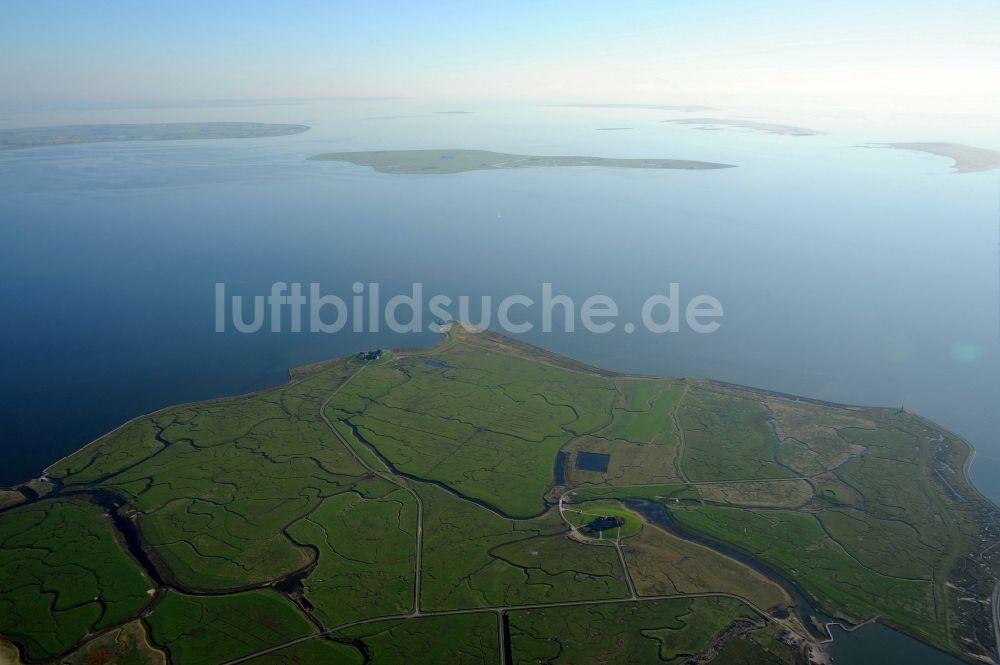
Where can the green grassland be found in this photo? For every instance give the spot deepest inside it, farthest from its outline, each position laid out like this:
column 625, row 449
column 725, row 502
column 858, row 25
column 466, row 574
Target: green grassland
column 831, row 488
column 470, row 639
column 335, row 518
column 64, row 574
column 213, row 629
column 726, row 437
column 474, row 558
column 367, row 551
column 312, row 652
column 811, row 439
column 485, row 425
column 644, row 411
column 669, row 631
column 796, row 543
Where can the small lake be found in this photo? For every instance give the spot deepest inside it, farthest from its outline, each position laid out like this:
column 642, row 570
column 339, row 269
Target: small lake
column 875, row 644
column 592, row 461
column 559, row 472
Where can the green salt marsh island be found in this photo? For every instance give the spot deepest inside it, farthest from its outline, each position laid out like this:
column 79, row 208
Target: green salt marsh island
column 443, row 161
column 34, row 137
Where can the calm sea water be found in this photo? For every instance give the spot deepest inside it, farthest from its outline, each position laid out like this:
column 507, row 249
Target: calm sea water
column 849, row 274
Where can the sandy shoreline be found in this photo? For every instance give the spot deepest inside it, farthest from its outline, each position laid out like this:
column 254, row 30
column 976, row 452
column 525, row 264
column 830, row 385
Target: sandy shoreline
column 966, row 158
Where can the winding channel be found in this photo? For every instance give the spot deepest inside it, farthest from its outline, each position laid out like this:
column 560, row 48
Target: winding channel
column 809, row 616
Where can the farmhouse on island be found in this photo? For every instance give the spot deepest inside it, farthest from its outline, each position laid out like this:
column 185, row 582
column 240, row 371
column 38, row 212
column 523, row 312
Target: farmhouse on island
column 369, row 355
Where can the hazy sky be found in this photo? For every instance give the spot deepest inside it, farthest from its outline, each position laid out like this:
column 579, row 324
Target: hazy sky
column 934, row 55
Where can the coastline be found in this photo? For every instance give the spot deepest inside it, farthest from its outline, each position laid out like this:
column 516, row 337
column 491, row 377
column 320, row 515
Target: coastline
column 299, row 372
column 965, row 158
column 969, row 459
column 291, row 380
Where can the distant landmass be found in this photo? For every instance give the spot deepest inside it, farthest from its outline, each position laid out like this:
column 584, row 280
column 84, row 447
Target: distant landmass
column 967, row 158
column 643, row 107
column 771, row 128
column 33, row 137
column 459, row 161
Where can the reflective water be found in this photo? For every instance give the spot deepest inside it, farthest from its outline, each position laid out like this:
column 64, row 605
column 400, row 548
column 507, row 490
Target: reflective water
column 847, row 274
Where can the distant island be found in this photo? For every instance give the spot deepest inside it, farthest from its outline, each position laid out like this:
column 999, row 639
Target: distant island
column 460, row 161
column 771, row 128
column 34, row 137
column 641, row 107
column 967, row 158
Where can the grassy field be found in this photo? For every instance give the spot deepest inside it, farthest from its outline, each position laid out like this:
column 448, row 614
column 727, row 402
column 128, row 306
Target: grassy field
column 493, row 440
column 474, row 558
column 203, row 630
column 366, row 544
column 275, row 515
column 841, row 584
column 224, row 481
column 792, row 493
column 811, row 439
column 726, row 437
column 644, row 411
column 832, row 489
column 653, row 632
column 470, row 639
column 63, row 574
column 662, row 564
column 312, row 652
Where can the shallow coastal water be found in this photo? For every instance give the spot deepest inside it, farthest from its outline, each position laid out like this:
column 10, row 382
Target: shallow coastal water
column 847, row 274
column 875, row 644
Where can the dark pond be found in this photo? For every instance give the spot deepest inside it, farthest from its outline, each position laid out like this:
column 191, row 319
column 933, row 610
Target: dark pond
column 592, row 461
